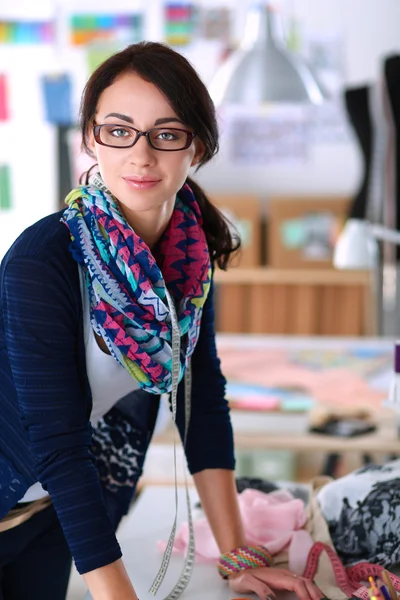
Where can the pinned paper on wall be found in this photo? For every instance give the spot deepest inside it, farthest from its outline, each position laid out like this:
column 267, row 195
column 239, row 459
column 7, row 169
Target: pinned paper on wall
column 330, row 123
column 57, row 99
column 26, row 32
column 267, row 136
column 313, row 234
column 87, row 29
column 5, row 188
column 216, row 23
column 4, row 107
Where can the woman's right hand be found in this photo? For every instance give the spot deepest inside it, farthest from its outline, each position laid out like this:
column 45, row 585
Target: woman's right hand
column 110, row 582
column 263, row 581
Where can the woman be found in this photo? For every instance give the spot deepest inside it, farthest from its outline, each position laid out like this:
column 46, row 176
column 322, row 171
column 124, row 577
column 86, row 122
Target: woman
column 88, row 297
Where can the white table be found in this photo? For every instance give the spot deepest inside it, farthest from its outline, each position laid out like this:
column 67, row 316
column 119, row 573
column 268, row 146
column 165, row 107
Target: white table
column 150, row 520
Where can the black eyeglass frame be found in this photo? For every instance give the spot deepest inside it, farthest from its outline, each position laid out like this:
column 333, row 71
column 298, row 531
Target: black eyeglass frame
column 189, row 136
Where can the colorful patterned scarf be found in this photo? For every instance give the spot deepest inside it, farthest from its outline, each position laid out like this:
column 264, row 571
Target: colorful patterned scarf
column 127, row 288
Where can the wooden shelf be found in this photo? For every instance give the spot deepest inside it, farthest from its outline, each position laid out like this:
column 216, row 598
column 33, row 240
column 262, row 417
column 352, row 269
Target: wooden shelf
column 265, row 275
column 295, row 301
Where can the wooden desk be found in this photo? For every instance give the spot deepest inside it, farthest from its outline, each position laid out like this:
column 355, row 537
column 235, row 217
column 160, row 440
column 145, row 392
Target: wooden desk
column 384, row 440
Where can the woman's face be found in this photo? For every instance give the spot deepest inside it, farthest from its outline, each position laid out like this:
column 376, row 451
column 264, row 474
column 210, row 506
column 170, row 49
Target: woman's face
column 140, row 177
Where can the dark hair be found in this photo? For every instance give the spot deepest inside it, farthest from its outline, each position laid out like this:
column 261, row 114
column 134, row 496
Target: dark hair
column 177, row 80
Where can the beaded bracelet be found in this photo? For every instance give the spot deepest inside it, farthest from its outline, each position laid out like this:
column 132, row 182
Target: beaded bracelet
column 242, row 558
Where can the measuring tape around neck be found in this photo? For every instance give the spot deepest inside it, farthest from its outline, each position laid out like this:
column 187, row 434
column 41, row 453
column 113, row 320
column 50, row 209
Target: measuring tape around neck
column 188, row 565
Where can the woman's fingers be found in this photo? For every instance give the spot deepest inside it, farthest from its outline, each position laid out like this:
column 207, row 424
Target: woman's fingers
column 263, row 581
column 285, row 580
column 247, row 583
column 305, row 589
column 301, row 589
column 313, row 590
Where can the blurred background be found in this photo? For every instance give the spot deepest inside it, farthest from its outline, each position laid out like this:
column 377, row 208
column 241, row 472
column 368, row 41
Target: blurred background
column 300, row 88
column 308, row 100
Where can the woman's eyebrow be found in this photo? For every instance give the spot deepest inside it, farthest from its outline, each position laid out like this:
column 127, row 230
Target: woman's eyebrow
column 168, row 120
column 120, row 116
column 160, row 121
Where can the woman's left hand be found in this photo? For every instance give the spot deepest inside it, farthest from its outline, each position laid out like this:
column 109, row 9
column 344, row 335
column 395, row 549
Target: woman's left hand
column 262, row 581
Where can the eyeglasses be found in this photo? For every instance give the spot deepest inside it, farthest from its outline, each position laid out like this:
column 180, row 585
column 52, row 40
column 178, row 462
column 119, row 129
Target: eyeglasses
column 159, row 138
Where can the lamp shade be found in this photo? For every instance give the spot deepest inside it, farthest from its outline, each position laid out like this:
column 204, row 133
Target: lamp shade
column 263, row 70
column 356, row 247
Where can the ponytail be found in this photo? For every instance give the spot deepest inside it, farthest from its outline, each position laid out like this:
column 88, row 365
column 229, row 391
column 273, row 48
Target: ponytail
column 222, row 237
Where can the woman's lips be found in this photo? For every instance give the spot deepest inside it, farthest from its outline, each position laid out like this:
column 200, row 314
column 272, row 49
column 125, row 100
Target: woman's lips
column 141, row 184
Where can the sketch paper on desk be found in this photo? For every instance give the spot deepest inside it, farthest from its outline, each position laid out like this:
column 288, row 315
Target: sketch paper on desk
column 297, row 379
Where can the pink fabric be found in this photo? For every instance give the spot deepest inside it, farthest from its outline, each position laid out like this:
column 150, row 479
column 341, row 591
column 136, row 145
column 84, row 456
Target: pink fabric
column 274, row 520
column 328, row 384
column 257, row 402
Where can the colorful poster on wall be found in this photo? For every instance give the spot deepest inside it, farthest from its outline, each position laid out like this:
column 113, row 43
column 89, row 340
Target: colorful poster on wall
column 110, row 28
column 95, row 56
column 26, row 32
column 4, row 107
column 5, row 188
column 180, row 21
column 57, row 99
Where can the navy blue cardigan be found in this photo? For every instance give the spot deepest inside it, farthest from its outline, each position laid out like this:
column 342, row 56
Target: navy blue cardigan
column 45, row 398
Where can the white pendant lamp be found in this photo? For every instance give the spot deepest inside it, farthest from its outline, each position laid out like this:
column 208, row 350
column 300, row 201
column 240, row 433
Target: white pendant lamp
column 263, row 70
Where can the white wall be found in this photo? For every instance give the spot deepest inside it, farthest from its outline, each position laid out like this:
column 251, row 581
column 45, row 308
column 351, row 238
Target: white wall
column 371, row 30
column 27, row 143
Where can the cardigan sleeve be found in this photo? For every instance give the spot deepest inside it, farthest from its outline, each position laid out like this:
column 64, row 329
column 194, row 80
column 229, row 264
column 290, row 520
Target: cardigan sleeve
column 41, row 325
column 209, row 442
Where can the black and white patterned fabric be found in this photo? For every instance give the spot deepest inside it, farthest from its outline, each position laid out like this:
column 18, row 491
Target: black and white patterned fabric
column 362, row 510
column 119, row 445
column 119, row 450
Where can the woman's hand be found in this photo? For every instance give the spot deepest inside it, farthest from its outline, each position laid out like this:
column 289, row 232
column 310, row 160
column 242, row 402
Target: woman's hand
column 110, row 582
column 262, row 581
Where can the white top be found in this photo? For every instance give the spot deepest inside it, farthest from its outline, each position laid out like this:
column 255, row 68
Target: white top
column 109, row 382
